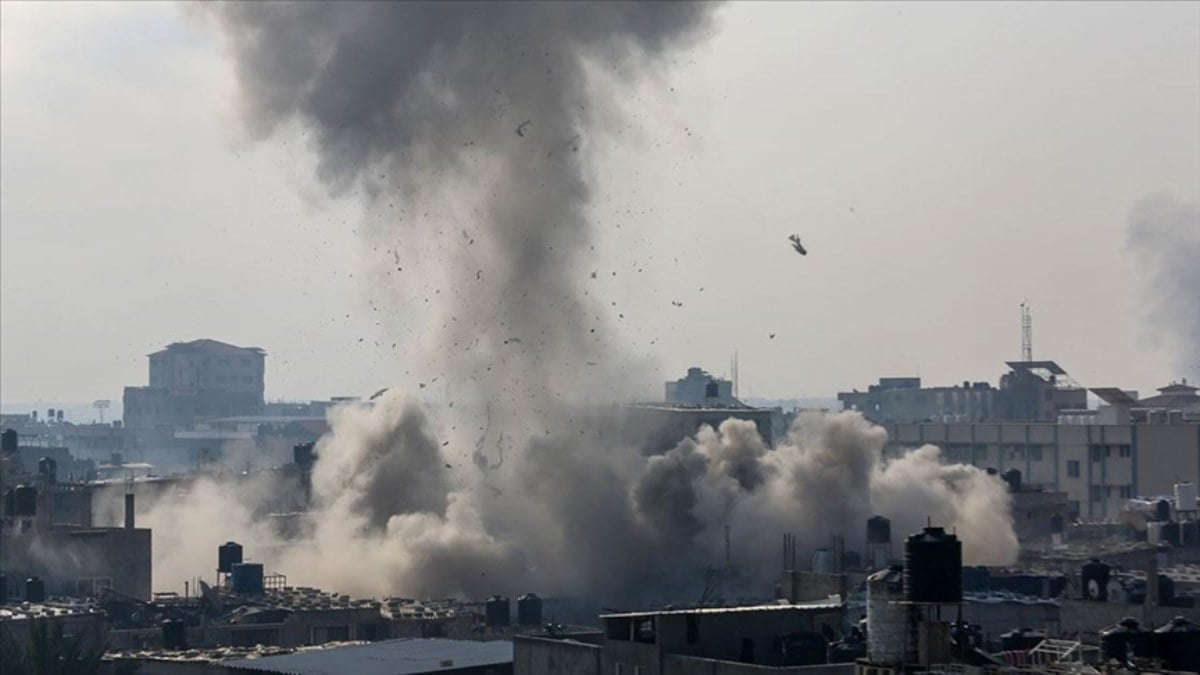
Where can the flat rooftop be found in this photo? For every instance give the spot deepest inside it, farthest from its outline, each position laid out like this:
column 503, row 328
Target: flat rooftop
column 390, row 657
column 833, row 602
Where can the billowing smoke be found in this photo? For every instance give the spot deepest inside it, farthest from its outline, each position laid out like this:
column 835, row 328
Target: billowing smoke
column 583, row 517
column 466, row 127
column 1164, row 233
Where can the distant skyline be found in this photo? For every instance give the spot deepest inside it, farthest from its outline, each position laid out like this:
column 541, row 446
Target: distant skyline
column 942, row 163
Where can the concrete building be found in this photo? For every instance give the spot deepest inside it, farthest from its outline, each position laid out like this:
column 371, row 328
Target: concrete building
column 701, row 389
column 658, row 428
column 1098, row 466
column 76, row 620
column 191, row 381
column 713, row 641
column 392, row 657
column 1030, row 391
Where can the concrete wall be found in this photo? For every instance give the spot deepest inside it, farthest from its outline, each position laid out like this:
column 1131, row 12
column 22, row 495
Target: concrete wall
column 65, row 557
column 547, row 656
column 90, row 628
column 674, row 664
column 1083, row 621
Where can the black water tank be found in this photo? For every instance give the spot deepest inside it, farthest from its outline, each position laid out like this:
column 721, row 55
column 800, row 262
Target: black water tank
column 1166, row 590
column 228, row 555
column 8, row 442
column 933, row 567
column 1057, row 524
column 49, row 468
column 529, row 610
column 24, row 500
column 1021, row 640
column 1013, row 478
column 1189, row 533
column 1162, row 510
column 174, row 635
column 35, row 590
column 248, row 578
column 1178, row 645
column 303, row 456
column 1171, row 534
column 1127, row 638
column 497, row 612
column 879, row 530
column 1094, row 577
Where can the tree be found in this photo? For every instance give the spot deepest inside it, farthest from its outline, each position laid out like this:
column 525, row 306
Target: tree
column 47, row 652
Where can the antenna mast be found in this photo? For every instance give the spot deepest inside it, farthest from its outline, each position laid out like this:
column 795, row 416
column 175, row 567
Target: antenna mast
column 1026, row 333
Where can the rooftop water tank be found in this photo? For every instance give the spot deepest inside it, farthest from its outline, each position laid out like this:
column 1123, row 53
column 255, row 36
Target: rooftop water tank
column 1126, row 639
column 35, row 590
column 24, row 500
column 879, row 530
column 8, row 442
column 1178, row 644
column 497, row 612
column 529, row 610
column 1185, row 496
column 228, row 555
column 49, row 468
column 933, row 567
column 248, row 578
column 891, row 626
column 1094, row 577
column 174, row 635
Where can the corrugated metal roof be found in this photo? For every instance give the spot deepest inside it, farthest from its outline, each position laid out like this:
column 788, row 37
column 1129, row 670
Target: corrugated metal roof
column 833, row 602
column 390, row 657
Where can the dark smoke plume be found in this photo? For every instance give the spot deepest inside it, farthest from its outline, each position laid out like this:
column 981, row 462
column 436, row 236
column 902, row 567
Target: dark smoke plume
column 466, row 127
column 1164, row 233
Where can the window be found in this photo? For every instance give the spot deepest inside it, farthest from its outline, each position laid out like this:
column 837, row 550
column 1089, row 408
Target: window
column 1035, row 453
column 1126, row 492
column 1096, row 493
column 644, row 630
column 1072, row 469
column 1125, row 450
column 1096, row 452
column 323, row 634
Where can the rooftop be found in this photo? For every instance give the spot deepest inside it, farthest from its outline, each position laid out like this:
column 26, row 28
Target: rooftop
column 390, row 657
column 832, row 602
column 208, row 345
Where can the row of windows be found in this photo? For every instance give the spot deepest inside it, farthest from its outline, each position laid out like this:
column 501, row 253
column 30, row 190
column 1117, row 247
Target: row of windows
column 1100, row 452
column 1101, row 492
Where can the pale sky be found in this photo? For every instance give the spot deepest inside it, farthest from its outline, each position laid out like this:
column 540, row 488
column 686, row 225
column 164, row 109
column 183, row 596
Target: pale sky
column 942, row 162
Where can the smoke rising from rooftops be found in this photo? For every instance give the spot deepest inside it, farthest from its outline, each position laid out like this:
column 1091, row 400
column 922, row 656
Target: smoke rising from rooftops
column 1164, row 233
column 465, row 126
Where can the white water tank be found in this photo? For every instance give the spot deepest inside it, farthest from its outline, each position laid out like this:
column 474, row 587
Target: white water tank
column 1185, row 496
column 891, row 636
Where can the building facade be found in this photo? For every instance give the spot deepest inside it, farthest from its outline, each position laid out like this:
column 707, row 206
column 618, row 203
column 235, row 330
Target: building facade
column 699, row 388
column 1099, row 466
column 188, row 382
column 1030, row 391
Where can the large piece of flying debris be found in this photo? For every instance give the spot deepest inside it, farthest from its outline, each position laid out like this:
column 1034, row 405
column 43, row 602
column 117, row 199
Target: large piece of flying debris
column 795, row 239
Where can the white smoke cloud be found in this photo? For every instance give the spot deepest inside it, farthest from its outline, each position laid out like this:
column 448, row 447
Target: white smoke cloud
column 570, row 515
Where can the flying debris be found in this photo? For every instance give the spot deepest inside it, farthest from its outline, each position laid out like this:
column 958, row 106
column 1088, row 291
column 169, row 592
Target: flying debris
column 521, row 128
column 795, row 239
column 381, row 391
column 772, row 336
column 677, row 303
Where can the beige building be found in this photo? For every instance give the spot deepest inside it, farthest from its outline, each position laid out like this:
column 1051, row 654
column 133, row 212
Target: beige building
column 1099, row 466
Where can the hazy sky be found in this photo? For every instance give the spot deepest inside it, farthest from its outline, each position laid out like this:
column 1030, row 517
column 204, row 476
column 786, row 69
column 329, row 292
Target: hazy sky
column 942, row 162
